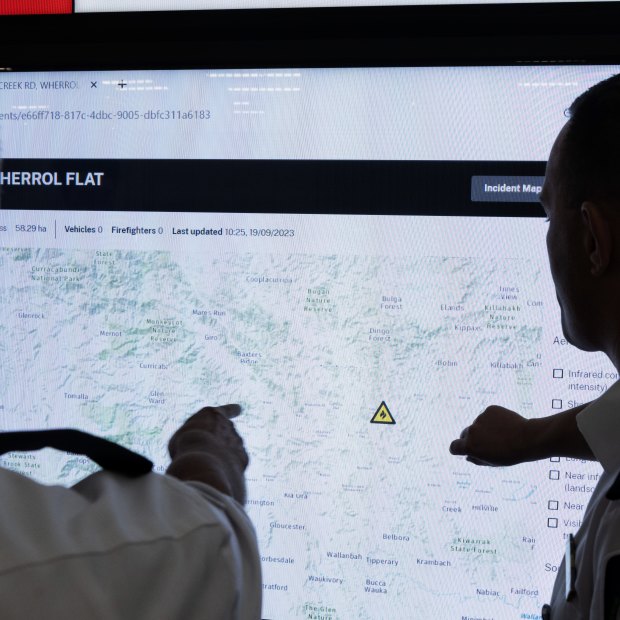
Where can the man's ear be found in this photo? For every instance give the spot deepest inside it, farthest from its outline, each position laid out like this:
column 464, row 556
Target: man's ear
column 598, row 237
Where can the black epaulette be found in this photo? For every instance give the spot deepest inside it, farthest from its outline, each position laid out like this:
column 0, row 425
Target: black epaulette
column 614, row 490
column 107, row 454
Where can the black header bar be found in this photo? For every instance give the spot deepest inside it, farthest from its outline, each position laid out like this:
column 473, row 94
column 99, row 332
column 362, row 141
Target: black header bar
column 260, row 186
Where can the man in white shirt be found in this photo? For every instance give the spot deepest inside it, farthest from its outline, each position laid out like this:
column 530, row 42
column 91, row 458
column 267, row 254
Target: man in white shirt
column 581, row 196
column 154, row 546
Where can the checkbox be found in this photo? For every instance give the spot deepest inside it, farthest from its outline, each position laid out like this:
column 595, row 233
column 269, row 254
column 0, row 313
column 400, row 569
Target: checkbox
column 553, row 504
column 556, row 403
column 552, row 522
column 554, row 474
column 558, row 373
column 555, row 459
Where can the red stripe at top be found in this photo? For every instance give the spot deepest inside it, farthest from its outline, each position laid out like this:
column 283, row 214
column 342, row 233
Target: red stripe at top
column 32, row 7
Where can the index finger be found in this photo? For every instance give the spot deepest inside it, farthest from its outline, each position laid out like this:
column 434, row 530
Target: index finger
column 231, row 410
column 457, row 447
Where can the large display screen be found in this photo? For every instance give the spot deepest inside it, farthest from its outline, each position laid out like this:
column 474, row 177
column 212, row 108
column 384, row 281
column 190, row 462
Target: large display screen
column 357, row 257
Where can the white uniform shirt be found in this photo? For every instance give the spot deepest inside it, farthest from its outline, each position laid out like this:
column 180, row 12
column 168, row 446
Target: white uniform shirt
column 598, row 538
column 114, row 547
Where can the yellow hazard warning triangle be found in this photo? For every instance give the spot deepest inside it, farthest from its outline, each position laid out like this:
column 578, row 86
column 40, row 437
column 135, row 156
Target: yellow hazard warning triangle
column 382, row 415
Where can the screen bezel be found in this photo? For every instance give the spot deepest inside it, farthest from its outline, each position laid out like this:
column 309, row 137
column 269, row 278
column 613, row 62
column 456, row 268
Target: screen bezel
column 444, row 35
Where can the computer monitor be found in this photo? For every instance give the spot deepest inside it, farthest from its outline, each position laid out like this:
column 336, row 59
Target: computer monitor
column 357, row 257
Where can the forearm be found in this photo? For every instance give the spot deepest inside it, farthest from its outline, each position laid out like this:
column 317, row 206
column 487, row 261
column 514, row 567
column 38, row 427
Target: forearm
column 500, row 437
column 201, row 467
column 558, row 435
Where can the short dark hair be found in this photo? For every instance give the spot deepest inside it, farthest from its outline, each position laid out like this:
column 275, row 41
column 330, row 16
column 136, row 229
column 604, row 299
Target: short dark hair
column 591, row 156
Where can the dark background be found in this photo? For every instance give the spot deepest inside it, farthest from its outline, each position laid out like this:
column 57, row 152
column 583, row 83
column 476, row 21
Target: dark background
column 585, row 32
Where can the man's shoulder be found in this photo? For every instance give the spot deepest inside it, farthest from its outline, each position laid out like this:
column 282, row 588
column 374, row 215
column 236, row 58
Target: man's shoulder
column 106, row 511
column 131, row 531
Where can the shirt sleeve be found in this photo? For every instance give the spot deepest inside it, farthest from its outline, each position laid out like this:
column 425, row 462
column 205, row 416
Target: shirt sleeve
column 599, row 423
column 243, row 551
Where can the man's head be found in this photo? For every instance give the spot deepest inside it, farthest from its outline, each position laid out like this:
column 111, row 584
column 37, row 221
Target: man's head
column 592, row 144
column 581, row 196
